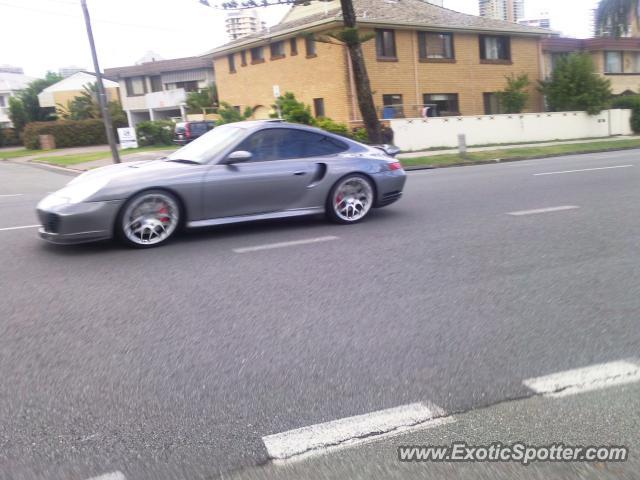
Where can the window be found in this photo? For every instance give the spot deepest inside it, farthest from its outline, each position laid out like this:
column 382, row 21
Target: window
column 156, row 83
column 277, row 50
column 635, row 61
column 232, row 62
column 135, row 86
column 243, row 58
column 492, row 104
column 318, row 107
column 188, row 86
column 310, row 46
column 283, row 143
column 613, row 62
column 257, row 55
column 392, row 106
column 293, row 43
column 3, row 102
column 386, row 44
column 435, row 46
column 495, row 48
column 441, row 104
column 556, row 58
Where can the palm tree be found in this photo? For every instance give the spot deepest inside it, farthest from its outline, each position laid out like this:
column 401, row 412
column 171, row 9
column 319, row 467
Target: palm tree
column 613, row 16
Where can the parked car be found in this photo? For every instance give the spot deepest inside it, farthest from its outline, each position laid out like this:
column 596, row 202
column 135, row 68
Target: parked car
column 186, row 132
column 235, row 173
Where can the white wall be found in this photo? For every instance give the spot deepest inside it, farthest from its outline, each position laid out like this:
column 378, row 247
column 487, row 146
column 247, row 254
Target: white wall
column 422, row 133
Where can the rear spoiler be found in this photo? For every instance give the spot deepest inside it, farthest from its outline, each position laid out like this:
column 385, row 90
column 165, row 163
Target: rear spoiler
column 390, row 150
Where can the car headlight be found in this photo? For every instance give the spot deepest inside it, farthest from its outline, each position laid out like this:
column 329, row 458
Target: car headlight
column 75, row 192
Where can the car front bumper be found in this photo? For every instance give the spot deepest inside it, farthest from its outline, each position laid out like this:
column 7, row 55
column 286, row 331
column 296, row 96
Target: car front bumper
column 78, row 222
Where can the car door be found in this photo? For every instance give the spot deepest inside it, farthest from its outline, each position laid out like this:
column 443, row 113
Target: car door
column 276, row 178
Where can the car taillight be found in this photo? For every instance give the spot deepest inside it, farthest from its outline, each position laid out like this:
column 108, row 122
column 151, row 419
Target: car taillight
column 187, row 131
column 395, row 166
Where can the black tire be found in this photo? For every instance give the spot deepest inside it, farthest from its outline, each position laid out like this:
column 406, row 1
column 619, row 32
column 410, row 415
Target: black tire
column 354, row 180
column 161, row 229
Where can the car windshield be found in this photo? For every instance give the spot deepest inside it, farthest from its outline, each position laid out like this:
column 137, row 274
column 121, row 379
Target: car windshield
column 208, row 146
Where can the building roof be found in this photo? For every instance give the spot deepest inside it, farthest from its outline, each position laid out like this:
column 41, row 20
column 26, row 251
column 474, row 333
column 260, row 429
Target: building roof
column 77, row 81
column 161, row 66
column 563, row 44
column 397, row 13
column 12, row 82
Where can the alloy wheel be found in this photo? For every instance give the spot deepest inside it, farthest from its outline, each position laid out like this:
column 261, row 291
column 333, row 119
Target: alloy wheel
column 150, row 218
column 352, row 199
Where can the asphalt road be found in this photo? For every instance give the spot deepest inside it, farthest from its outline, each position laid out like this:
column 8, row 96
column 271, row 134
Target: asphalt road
column 174, row 362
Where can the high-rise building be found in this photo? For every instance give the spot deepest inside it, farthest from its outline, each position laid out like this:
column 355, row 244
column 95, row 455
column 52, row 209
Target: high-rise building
column 241, row 23
column 510, row 10
column 66, row 72
column 543, row 21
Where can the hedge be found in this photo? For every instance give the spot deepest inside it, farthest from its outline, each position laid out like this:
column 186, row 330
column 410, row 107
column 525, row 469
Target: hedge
column 632, row 102
column 9, row 137
column 157, row 132
column 67, row 133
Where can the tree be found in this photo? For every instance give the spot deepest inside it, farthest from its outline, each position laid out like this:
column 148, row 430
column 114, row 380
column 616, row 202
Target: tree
column 204, row 98
column 575, row 85
column 17, row 114
column 351, row 38
column 613, row 16
column 515, row 95
column 292, row 110
column 29, row 109
column 229, row 114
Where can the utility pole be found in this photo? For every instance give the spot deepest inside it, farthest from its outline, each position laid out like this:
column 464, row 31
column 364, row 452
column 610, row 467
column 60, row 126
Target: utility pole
column 102, row 97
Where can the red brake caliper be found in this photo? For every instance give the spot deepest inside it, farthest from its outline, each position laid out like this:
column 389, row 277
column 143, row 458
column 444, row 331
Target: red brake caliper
column 164, row 211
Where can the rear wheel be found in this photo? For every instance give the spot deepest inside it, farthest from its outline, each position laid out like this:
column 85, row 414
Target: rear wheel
column 350, row 199
column 149, row 219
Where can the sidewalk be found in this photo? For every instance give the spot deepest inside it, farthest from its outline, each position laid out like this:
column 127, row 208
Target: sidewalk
column 431, row 153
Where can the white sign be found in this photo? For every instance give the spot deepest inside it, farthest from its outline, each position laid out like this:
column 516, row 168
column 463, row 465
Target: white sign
column 276, row 91
column 127, row 138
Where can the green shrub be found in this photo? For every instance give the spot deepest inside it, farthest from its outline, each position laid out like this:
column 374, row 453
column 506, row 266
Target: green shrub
column 632, row 102
column 230, row 114
column 333, row 127
column 67, row 133
column 157, row 132
column 292, row 110
column 361, row 135
column 9, row 137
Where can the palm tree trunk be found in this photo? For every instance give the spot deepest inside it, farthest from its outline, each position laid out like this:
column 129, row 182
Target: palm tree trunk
column 361, row 78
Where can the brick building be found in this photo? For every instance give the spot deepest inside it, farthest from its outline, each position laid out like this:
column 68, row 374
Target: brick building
column 420, row 54
column 617, row 59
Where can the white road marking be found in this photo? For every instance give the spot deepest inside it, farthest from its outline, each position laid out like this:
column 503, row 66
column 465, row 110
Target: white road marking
column 581, row 170
column 347, row 432
column 11, row 195
column 19, row 228
column 110, row 476
column 594, row 377
column 293, row 243
column 543, row 210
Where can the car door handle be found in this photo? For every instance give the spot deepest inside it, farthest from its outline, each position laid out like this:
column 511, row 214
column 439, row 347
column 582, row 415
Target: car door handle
column 300, row 172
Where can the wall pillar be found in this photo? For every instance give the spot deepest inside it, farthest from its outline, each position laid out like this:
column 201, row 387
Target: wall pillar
column 152, row 115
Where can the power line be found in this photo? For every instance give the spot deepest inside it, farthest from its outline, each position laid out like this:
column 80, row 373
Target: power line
column 97, row 20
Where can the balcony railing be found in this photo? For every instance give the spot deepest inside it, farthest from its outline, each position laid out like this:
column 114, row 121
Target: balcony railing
column 166, row 98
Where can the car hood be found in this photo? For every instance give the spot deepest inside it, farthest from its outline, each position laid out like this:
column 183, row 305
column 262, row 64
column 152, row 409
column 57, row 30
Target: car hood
column 126, row 170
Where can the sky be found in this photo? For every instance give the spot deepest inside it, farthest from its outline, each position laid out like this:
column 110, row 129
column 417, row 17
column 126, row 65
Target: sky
column 42, row 35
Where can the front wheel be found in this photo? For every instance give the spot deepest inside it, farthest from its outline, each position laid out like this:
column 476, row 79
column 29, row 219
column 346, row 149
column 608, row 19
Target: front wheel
column 350, row 199
column 149, row 219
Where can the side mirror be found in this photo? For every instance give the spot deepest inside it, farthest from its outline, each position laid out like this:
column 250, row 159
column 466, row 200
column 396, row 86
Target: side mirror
column 238, row 156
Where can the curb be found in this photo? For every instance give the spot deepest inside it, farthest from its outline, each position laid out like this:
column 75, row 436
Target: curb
column 46, row 166
column 516, row 159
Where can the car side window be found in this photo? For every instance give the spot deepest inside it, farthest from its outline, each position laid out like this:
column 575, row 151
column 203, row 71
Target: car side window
column 288, row 143
column 262, row 145
column 318, row 145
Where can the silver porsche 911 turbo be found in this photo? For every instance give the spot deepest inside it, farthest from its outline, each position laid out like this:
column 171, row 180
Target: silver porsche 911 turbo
column 235, row 173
